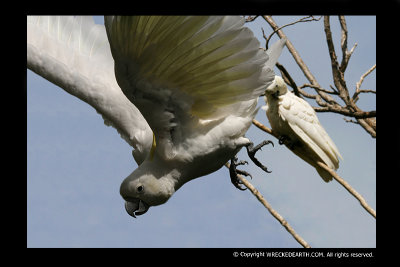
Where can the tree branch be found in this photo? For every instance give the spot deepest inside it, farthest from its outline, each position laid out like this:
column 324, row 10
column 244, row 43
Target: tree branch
column 306, row 71
column 349, row 189
column 273, row 212
column 324, row 98
column 333, row 92
column 346, row 112
column 332, row 172
column 358, row 84
column 338, row 76
column 288, row 79
column 250, row 18
column 345, row 54
column 369, row 124
column 305, row 19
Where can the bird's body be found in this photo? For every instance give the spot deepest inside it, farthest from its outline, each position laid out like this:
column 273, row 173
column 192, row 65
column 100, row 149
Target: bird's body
column 195, row 80
column 198, row 93
column 294, row 119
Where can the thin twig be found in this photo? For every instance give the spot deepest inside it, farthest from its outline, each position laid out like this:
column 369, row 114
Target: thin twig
column 332, row 172
column 250, row 18
column 305, row 19
column 349, row 188
column 343, row 43
column 359, row 83
column 369, row 124
column 333, row 92
column 346, row 112
column 338, row 76
column 274, row 213
column 292, row 50
column 306, row 71
column 368, row 91
column 345, row 54
column 352, row 121
column 264, row 128
column 288, row 79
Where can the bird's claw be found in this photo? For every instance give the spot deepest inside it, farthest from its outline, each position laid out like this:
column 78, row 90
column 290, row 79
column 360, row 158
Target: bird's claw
column 283, row 138
column 233, row 172
column 252, row 150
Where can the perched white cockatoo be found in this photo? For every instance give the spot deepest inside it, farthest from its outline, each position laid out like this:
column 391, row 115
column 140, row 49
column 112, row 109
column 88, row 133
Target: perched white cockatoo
column 296, row 123
column 189, row 89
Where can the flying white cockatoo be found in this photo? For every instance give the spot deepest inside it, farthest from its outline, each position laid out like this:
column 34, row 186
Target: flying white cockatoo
column 296, row 123
column 190, row 87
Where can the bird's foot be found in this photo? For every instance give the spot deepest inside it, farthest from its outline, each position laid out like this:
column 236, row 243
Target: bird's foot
column 285, row 140
column 252, row 150
column 282, row 139
column 233, row 172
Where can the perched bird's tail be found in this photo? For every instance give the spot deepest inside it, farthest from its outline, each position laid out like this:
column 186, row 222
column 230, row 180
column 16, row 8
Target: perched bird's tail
column 326, row 176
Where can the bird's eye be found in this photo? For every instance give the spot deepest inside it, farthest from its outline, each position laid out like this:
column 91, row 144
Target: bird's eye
column 140, row 188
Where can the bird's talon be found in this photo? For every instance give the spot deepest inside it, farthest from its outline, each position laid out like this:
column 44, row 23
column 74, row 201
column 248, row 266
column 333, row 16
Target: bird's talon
column 233, row 172
column 283, row 139
column 244, row 173
column 252, row 150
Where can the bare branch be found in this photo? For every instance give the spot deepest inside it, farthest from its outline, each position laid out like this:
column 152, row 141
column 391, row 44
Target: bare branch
column 343, row 42
column 359, row 83
column 351, row 190
column 352, row 121
column 338, row 76
column 369, row 124
column 250, row 18
column 306, row 71
column 333, row 92
column 273, row 212
column 332, row 172
column 346, row 112
column 368, row 91
column 264, row 128
column 324, row 97
column 292, row 50
column 305, row 19
column 288, row 79
column 345, row 53
column 334, row 89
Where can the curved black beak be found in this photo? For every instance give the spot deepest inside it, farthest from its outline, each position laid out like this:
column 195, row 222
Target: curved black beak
column 136, row 207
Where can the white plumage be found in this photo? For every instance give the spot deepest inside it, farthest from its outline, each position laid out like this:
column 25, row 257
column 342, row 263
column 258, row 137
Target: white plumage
column 74, row 53
column 195, row 81
column 294, row 119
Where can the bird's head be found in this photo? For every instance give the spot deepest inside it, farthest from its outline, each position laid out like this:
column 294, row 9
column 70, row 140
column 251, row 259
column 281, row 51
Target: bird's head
column 142, row 189
column 277, row 88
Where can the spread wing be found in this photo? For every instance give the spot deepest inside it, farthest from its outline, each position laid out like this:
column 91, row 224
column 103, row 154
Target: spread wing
column 74, row 53
column 183, row 71
column 303, row 120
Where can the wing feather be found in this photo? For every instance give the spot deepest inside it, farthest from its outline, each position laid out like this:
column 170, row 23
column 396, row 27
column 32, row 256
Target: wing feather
column 73, row 53
column 214, row 60
column 182, row 72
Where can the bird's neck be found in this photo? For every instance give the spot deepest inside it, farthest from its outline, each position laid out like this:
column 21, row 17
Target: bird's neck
column 168, row 174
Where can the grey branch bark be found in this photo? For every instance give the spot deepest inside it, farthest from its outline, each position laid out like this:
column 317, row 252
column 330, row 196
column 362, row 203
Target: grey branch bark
column 323, row 97
column 340, row 180
column 273, row 212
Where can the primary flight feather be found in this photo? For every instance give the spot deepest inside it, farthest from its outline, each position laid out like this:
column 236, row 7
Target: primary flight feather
column 74, row 53
column 195, row 81
column 293, row 119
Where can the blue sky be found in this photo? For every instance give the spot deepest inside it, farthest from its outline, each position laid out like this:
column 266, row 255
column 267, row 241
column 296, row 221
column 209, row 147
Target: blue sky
column 75, row 165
